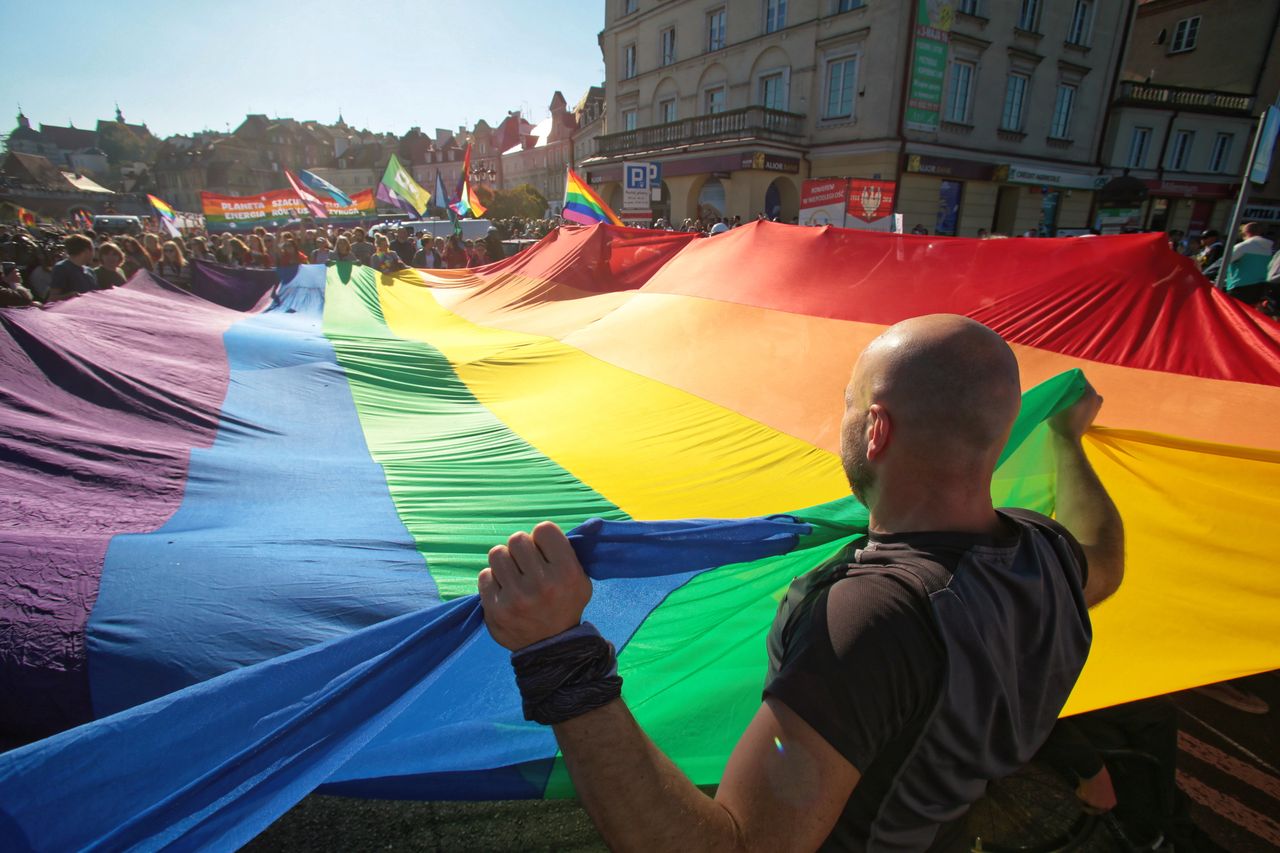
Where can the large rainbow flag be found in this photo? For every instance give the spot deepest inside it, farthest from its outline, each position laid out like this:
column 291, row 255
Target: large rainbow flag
column 243, row 524
column 581, row 204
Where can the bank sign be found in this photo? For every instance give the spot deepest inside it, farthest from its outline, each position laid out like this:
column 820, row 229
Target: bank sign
column 929, row 63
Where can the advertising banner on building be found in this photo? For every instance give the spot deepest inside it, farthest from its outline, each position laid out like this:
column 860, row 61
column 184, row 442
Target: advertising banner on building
column 278, row 207
column 870, row 205
column 823, row 201
column 929, row 63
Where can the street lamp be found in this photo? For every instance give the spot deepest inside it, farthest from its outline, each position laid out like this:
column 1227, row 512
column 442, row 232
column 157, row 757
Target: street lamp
column 483, row 174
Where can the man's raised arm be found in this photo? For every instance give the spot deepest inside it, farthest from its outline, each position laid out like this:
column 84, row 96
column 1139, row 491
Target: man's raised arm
column 1083, row 505
column 783, row 789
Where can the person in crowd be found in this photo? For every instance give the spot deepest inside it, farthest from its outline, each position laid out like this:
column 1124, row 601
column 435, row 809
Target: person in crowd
column 73, row 275
column 173, row 266
column 479, row 255
column 493, row 247
column 426, row 258
column 258, row 252
column 906, row 646
column 269, row 245
column 361, row 246
column 40, row 276
column 13, row 294
column 404, row 245
column 289, row 255
column 342, row 253
column 982, row 234
column 1246, row 278
column 920, row 229
column 1211, row 247
column 320, row 254
column 200, row 250
column 218, row 247
column 308, row 244
column 108, row 272
column 455, row 254
column 383, row 259
column 151, row 245
column 238, row 252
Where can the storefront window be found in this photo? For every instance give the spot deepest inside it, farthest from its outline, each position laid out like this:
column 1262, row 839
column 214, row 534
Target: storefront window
column 1048, row 226
column 948, row 208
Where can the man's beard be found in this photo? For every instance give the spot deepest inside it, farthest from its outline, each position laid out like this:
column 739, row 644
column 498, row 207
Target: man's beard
column 857, row 469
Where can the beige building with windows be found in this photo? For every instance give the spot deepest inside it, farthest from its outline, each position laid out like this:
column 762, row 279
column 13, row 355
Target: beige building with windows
column 1184, row 114
column 988, row 113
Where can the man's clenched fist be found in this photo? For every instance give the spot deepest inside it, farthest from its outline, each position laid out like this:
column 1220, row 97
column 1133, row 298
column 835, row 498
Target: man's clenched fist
column 534, row 587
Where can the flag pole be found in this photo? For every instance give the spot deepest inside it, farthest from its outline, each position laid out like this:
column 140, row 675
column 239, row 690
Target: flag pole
column 1241, row 200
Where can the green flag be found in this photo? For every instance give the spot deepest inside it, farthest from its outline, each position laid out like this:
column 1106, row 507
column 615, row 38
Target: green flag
column 397, row 181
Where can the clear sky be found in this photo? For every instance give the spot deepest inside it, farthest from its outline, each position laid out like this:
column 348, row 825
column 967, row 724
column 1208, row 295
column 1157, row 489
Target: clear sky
column 388, row 65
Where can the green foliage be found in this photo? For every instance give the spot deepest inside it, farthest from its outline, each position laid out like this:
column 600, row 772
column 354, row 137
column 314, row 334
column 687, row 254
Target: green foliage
column 122, row 144
column 523, row 201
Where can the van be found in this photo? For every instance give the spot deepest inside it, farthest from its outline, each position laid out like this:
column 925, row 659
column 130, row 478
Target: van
column 130, row 225
column 472, row 229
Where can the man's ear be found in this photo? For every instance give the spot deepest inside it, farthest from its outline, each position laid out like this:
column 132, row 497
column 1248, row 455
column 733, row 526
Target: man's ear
column 878, row 429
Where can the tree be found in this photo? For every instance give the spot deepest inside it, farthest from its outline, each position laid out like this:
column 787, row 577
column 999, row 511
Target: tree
column 523, row 201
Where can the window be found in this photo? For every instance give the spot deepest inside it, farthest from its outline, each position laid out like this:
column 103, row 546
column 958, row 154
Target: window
column 847, row 5
column 1180, row 151
column 1061, row 127
column 970, row 7
column 775, row 15
column 773, row 91
column 628, row 119
column 1015, row 94
column 628, row 62
column 842, row 79
column 1081, row 23
column 959, row 91
column 667, row 42
column 666, row 111
column 1029, row 15
column 1138, row 146
column 713, row 100
column 1221, row 151
column 1184, row 35
column 629, row 6
column 715, row 29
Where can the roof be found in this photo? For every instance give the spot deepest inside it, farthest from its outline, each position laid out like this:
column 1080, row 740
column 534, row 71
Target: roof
column 85, row 183
column 540, row 133
column 69, row 138
column 36, row 168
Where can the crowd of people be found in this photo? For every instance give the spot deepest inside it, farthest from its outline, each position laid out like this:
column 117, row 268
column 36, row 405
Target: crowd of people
column 48, row 264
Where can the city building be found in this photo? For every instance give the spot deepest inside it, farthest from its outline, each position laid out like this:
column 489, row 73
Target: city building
column 540, row 157
column 986, row 114
column 1183, row 118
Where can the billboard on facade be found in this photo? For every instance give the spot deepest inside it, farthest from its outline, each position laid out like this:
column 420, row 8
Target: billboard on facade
column 870, row 205
column 823, row 201
column 928, row 64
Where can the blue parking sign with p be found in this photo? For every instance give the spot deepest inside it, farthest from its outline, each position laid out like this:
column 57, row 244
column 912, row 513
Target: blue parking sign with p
column 637, row 176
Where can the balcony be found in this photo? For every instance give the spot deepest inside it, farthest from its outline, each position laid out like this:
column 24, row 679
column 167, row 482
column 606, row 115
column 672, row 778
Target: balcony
column 1177, row 97
column 750, row 123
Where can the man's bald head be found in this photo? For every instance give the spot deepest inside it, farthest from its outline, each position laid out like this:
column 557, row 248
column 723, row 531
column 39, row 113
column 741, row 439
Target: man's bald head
column 948, row 387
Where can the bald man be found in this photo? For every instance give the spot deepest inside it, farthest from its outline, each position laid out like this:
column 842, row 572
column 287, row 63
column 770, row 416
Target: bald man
column 927, row 658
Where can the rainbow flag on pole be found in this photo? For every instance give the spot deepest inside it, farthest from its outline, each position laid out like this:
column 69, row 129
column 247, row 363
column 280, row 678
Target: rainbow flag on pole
column 582, row 205
column 166, row 213
column 467, row 203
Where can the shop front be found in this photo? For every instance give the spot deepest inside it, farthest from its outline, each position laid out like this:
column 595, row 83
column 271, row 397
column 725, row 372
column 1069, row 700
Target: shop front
column 742, row 184
column 947, row 195
column 1044, row 201
column 1188, row 206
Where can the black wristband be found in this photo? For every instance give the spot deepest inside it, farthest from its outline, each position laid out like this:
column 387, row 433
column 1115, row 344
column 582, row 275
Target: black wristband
column 567, row 675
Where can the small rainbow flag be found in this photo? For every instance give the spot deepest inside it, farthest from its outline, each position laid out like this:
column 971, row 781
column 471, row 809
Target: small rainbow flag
column 582, row 205
column 26, row 217
column 166, row 214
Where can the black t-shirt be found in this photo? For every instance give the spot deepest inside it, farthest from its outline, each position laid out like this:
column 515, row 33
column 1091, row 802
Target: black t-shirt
column 406, row 249
column 70, row 277
column 856, row 653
